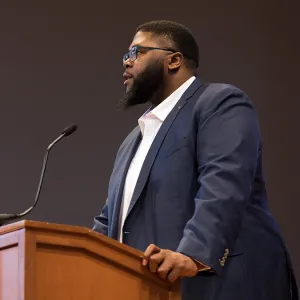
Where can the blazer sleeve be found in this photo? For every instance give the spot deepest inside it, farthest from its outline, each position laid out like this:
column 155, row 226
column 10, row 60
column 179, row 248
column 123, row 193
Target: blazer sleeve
column 101, row 221
column 227, row 143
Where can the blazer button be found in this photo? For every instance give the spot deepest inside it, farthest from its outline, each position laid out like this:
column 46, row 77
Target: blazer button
column 222, row 261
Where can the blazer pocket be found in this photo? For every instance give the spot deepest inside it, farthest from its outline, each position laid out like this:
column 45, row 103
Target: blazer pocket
column 174, row 148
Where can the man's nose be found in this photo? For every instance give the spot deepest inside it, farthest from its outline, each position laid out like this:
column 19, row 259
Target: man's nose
column 127, row 63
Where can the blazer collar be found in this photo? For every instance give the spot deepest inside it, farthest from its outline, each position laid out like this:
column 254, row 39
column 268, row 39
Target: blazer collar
column 152, row 153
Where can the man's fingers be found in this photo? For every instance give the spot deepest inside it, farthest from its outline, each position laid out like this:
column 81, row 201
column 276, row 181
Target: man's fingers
column 173, row 275
column 152, row 249
column 169, row 265
column 155, row 260
column 165, row 268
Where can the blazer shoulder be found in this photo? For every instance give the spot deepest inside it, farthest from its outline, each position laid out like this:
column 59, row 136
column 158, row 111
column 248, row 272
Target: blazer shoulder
column 217, row 94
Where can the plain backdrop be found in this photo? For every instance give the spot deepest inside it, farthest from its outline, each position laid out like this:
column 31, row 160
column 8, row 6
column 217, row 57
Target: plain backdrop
column 61, row 63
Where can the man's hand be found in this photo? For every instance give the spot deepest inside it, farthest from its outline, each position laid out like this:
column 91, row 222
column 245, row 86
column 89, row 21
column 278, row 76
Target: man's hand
column 169, row 265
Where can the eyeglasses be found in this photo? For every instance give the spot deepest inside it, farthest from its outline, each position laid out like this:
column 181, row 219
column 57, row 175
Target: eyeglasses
column 132, row 54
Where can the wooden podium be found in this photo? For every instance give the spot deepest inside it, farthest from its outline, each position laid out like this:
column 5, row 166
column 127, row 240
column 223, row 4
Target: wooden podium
column 42, row 261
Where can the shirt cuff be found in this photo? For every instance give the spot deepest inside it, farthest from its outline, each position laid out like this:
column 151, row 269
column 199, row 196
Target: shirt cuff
column 201, row 266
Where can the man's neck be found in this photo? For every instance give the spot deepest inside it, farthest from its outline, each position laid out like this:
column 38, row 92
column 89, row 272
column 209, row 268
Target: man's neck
column 168, row 89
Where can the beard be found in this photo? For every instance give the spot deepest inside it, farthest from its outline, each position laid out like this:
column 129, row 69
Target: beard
column 144, row 87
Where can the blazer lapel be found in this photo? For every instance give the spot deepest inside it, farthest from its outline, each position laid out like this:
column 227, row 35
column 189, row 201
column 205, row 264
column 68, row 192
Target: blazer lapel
column 152, row 153
column 127, row 154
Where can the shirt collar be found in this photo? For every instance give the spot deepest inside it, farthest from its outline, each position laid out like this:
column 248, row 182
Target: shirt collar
column 162, row 110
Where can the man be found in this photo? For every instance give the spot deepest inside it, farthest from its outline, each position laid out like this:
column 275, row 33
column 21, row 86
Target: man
column 187, row 185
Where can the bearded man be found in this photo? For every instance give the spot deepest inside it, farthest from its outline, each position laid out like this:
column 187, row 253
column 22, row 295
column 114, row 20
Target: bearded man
column 187, row 185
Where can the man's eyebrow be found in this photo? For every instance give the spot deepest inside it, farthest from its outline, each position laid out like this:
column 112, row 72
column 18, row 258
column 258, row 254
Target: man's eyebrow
column 139, row 45
column 135, row 45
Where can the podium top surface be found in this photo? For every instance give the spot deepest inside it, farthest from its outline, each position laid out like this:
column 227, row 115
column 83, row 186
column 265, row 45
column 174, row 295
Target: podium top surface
column 71, row 229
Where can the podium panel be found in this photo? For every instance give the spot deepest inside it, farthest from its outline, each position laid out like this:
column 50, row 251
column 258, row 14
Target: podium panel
column 42, row 261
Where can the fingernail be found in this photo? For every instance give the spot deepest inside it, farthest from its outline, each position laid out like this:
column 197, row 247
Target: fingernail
column 144, row 262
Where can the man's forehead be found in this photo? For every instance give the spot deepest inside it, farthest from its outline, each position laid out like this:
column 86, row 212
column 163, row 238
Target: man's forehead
column 143, row 39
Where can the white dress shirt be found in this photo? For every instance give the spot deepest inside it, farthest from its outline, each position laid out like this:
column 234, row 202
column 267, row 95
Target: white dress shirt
column 149, row 123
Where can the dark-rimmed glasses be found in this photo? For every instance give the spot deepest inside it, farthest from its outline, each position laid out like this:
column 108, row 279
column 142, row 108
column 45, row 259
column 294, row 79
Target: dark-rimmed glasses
column 133, row 52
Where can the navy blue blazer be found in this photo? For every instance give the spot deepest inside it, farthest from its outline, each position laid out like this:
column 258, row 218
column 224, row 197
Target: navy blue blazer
column 201, row 192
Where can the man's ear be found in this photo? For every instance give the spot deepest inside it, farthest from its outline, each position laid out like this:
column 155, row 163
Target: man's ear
column 175, row 61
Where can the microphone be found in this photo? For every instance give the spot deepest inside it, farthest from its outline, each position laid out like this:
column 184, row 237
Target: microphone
column 9, row 217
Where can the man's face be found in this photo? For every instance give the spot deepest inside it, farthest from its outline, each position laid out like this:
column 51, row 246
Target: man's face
column 144, row 76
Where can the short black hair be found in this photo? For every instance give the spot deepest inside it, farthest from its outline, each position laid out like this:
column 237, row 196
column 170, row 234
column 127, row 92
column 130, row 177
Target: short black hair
column 180, row 36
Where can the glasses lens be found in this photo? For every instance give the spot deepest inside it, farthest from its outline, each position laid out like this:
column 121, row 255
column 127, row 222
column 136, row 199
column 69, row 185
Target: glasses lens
column 133, row 53
column 125, row 57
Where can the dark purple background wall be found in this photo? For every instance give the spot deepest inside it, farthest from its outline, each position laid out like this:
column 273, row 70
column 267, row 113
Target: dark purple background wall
column 60, row 62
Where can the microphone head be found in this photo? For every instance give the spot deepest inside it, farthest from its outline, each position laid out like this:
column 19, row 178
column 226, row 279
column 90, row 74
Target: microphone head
column 69, row 130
